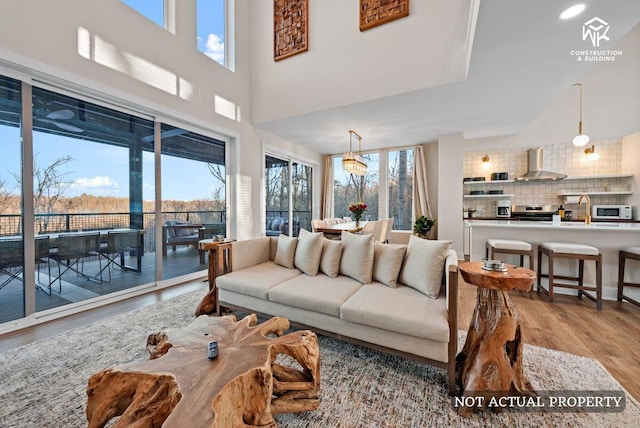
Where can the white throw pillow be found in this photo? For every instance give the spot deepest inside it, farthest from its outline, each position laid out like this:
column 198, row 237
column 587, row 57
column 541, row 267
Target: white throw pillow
column 387, row 262
column 357, row 257
column 308, row 252
column 330, row 260
column 286, row 252
column 424, row 264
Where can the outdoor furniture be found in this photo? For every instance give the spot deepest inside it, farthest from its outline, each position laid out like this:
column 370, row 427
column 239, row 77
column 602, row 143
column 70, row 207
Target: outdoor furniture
column 119, row 242
column 176, row 233
column 12, row 256
column 70, row 252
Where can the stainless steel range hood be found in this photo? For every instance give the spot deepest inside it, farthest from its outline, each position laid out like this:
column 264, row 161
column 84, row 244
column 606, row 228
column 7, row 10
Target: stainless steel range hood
column 534, row 168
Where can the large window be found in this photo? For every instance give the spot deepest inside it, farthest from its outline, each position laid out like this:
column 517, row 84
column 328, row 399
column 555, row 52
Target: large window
column 387, row 194
column 288, row 197
column 211, row 29
column 78, row 195
column 349, row 188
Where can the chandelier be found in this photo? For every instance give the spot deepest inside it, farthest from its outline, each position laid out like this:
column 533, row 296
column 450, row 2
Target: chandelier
column 352, row 162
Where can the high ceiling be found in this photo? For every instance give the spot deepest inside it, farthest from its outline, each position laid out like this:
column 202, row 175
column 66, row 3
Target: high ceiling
column 520, row 63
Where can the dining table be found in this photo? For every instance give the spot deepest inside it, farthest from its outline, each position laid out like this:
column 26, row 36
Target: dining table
column 338, row 228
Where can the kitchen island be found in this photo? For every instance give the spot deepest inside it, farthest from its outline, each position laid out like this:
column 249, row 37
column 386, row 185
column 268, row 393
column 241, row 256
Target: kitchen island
column 608, row 237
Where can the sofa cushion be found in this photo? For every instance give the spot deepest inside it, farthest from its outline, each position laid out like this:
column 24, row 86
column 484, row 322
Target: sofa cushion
column 387, row 261
column 357, row 257
column 414, row 313
column 308, row 252
column 256, row 280
column 286, row 252
column 330, row 260
column 315, row 293
column 424, row 264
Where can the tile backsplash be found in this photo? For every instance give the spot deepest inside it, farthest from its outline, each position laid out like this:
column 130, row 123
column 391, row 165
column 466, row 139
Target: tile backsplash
column 560, row 158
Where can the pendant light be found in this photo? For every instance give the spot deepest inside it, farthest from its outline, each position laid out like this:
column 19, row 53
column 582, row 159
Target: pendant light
column 486, row 162
column 580, row 139
column 591, row 153
column 352, row 162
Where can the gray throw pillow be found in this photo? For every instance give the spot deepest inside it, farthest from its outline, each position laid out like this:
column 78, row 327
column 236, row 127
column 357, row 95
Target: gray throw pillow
column 424, row 264
column 286, row 251
column 330, row 260
column 387, row 262
column 308, row 252
column 357, row 257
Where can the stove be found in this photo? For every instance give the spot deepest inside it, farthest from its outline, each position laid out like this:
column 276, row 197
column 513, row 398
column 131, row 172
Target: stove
column 534, row 212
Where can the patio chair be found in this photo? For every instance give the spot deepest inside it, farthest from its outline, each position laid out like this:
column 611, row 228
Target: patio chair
column 176, row 233
column 118, row 242
column 71, row 251
column 12, row 256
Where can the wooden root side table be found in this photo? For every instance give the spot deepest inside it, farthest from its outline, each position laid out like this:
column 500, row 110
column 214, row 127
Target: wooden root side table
column 220, row 253
column 180, row 387
column 490, row 363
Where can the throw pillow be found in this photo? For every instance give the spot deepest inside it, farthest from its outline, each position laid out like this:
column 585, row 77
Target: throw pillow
column 308, row 252
column 387, row 262
column 330, row 260
column 424, row 264
column 357, row 257
column 183, row 231
column 275, row 225
column 286, row 251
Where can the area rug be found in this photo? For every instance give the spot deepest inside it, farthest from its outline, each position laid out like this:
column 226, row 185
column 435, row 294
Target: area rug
column 43, row 384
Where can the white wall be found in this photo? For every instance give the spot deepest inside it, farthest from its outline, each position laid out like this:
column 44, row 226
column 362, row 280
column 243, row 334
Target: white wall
column 105, row 49
column 344, row 65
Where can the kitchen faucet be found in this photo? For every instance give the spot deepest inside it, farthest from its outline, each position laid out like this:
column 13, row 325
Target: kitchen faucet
column 587, row 217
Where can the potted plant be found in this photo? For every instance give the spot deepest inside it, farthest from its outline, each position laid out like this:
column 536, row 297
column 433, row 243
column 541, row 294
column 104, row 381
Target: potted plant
column 422, row 226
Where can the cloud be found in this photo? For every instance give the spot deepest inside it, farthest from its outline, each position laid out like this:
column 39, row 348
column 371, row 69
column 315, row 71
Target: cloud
column 99, row 185
column 214, row 48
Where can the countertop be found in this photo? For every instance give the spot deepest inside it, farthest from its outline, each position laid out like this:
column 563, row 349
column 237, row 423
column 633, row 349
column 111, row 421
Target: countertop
column 523, row 224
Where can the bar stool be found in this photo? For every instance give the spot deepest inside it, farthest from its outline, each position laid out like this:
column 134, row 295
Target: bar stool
column 580, row 252
column 631, row 253
column 508, row 246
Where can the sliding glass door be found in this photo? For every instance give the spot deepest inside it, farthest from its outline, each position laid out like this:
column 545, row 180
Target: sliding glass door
column 193, row 198
column 12, row 288
column 288, row 196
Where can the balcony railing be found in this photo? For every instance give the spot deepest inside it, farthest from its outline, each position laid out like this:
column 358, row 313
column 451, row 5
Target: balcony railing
column 11, row 224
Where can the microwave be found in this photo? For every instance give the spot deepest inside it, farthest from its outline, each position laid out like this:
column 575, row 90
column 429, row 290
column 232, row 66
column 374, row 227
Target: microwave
column 612, row 212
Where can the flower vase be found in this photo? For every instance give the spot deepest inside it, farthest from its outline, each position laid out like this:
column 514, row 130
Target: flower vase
column 357, row 222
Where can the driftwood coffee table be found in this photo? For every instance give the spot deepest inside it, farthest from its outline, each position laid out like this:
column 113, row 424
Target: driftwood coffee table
column 181, row 387
column 490, row 364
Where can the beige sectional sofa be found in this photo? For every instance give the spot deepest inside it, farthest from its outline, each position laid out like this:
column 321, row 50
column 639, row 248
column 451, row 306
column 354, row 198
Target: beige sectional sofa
column 359, row 300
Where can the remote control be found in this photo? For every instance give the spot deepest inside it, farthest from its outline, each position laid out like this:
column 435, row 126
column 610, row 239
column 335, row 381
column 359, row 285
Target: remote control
column 212, row 350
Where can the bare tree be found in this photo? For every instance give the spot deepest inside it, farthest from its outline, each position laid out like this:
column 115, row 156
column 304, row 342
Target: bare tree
column 49, row 185
column 4, row 196
column 220, row 179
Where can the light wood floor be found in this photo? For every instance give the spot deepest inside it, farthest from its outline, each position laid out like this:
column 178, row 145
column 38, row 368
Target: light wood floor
column 569, row 324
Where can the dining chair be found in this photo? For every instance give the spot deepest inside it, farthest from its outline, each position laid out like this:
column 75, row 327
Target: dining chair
column 119, row 242
column 316, row 223
column 347, row 219
column 339, row 220
column 330, row 221
column 389, row 228
column 71, row 251
column 368, row 228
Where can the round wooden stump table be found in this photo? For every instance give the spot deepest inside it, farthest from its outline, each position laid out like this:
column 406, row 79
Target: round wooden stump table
column 490, row 363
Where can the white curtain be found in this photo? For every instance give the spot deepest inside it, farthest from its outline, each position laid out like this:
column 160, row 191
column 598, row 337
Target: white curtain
column 327, row 188
column 421, row 190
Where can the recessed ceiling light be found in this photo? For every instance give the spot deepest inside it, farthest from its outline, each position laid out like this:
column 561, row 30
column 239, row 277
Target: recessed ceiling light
column 572, row 11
